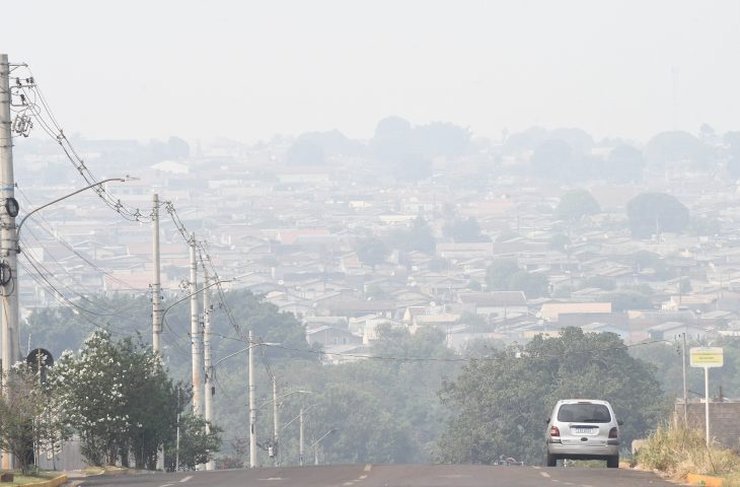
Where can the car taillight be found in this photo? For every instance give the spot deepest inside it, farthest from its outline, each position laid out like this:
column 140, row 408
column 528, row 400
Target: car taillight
column 613, row 433
column 554, row 431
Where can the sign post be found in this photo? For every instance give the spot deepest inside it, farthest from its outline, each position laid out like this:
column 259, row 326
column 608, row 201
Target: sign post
column 706, row 357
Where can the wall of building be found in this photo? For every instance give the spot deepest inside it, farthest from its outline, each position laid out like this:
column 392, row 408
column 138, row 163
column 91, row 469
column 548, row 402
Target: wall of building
column 724, row 420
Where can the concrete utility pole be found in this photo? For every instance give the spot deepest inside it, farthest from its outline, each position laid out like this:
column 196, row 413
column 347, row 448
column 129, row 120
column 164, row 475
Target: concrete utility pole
column 156, row 284
column 275, row 450
column 208, row 363
column 252, row 409
column 8, row 240
column 300, row 437
column 196, row 339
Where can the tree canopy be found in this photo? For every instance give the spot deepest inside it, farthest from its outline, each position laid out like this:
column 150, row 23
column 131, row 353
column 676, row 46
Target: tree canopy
column 499, row 403
column 576, row 204
column 655, row 213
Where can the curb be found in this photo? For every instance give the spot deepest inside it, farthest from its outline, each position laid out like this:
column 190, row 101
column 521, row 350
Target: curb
column 55, row 482
column 706, row 480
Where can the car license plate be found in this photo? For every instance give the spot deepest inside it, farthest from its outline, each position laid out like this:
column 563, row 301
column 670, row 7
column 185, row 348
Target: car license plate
column 583, row 431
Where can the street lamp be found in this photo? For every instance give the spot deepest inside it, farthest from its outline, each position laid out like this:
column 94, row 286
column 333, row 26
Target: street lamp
column 251, row 392
column 90, row 186
column 315, row 445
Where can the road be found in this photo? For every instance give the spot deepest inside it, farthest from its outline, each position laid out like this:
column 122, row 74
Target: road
column 391, row 476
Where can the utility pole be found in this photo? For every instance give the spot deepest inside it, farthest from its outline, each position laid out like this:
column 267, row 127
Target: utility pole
column 252, row 409
column 8, row 238
column 685, row 390
column 300, row 437
column 156, row 285
column 208, row 363
column 196, row 339
column 275, row 450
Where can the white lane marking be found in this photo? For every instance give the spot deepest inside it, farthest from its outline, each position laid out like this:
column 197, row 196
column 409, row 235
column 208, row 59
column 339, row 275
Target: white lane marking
column 349, row 483
column 186, row 478
column 166, row 485
column 271, row 478
column 363, row 477
column 545, row 474
column 367, row 468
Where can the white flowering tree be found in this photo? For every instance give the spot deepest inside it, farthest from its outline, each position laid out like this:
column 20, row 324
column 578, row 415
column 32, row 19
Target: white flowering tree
column 118, row 398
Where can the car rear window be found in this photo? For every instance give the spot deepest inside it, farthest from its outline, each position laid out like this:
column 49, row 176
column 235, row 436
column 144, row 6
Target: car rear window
column 584, row 413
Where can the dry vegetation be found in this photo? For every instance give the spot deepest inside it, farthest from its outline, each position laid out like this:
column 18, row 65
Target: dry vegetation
column 677, row 451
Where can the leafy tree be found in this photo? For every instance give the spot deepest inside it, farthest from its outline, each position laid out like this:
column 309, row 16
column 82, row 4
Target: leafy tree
column 576, row 204
column 499, row 403
column 499, row 273
column 578, row 139
column 441, row 138
column 624, row 164
column 91, row 389
column 654, row 213
column 552, row 159
column 533, row 285
column 527, row 140
column 674, row 148
column 505, row 275
column 464, row 230
column 26, row 415
column 417, row 237
column 196, row 446
column 371, row 251
column 305, row 153
column 392, row 139
column 118, row 398
column 703, row 225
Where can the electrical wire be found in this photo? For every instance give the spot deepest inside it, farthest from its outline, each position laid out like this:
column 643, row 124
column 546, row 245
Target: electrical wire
column 35, row 104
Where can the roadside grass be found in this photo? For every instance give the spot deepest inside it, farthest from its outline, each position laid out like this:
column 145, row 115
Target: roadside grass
column 677, row 451
column 19, row 479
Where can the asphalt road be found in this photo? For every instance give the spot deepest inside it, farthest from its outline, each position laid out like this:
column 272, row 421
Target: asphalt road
column 391, row 476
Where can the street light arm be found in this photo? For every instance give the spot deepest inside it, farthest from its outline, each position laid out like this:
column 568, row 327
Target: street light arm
column 18, row 230
column 214, row 283
column 333, row 430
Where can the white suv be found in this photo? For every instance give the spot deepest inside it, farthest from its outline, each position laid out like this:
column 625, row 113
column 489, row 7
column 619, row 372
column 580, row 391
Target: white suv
column 583, row 429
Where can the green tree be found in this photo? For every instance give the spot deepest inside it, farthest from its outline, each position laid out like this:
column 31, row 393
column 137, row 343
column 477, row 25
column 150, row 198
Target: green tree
column 371, row 251
column 464, row 230
column 499, row 273
column 418, row 236
column 505, row 275
column 118, row 398
column 624, row 164
column 499, row 403
column 676, row 148
column 196, row 446
column 26, row 415
column 576, row 204
column 655, row 213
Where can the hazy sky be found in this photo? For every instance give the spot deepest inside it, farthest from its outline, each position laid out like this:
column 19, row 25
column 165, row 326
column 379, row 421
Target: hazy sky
column 247, row 70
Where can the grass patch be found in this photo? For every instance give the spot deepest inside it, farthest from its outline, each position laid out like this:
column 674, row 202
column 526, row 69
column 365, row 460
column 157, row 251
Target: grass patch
column 677, row 451
column 19, row 479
